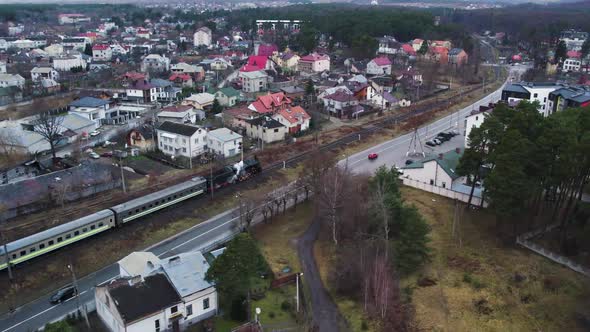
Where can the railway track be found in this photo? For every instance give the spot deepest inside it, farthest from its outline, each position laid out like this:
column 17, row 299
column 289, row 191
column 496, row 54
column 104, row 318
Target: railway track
column 99, row 202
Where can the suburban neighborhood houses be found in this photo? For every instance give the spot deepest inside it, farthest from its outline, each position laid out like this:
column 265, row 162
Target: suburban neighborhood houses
column 314, row 166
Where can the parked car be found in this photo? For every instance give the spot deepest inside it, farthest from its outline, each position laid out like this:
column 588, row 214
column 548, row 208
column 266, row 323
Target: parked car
column 63, row 294
column 107, row 154
column 437, row 141
column 455, row 132
column 430, row 143
column 373, row 156
column 94, row 133
column 93, row 155
column 409, row 161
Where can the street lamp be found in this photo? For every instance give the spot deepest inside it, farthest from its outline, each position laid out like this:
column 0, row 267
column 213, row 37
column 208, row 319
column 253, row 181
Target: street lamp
column 299, row 275
column 258, row 312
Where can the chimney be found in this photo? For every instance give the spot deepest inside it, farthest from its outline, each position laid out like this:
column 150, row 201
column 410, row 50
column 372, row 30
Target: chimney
column 440, row 156
column 458, row 150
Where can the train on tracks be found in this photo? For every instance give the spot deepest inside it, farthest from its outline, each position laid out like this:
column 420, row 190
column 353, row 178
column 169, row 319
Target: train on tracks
column 38, row 244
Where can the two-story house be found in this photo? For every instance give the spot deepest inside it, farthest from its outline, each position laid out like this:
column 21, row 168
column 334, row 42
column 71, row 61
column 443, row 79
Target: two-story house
column 155, row 63
column 178, row 139
column 254, row 81
column 457, row 56
column 227, row 97
column 180, row 114
column 295, row 118
column 314, row 63
column 266, row 129
column 8, row 80
column 270, row 103
column 153, row 294
column 40, row 73
column 379, row 66
column 142, row 91
column 224, row 142
column 90, row 108
column 202, row 37
column 199, row 101
column 102, row 53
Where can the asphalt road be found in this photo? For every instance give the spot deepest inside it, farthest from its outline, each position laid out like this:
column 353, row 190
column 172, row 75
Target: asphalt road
column 221, row 227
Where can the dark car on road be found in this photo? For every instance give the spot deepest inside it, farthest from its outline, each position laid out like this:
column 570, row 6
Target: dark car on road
column 409, row 161
column 63, row 294
column 430, row 143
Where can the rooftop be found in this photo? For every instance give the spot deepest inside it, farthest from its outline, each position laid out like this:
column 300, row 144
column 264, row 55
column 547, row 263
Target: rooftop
column 178, row 128
column 89, row 102
column 224, row 134
column 448, row 161
column 265, row 121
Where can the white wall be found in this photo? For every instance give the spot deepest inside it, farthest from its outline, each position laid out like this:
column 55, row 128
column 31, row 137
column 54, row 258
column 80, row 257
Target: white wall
column 196, row 300
column 180, row 146
column 228, row 149
column 430, row 172
column 472, row 121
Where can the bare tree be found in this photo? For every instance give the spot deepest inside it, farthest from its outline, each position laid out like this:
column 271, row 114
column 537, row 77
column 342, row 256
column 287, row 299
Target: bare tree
column 332, row 193
column 247, row 208
column 49, row 127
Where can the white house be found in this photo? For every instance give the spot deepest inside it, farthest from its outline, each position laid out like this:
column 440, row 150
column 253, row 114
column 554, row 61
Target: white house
column 202, row 37
column 177, row 139
column 439, row 170
column 314, row 63
column 227, row 96
column 72, row 18
column 254, row 81
column 533, row 92
column 2, row 67
column 67, row 63
column 154, row 294
column 199, row 100
column 224, row 142
column 573, row 39
column 142, row 91
column 474, row 120
column 379, row 66
column 75, row 43
column 7, row 80
column 572, row 64
column 90, row 108
column 54, row 50
column 266, row 129
column 180, row 114
column 102, row 53
column 40, row 73
column 185, row 68
column 156, row 63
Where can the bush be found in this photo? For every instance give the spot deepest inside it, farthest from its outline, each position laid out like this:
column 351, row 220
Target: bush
column 286, row 306
column 271, row 314
column 473, row 281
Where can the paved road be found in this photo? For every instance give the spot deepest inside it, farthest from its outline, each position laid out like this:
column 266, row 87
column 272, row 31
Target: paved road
column 35, row 314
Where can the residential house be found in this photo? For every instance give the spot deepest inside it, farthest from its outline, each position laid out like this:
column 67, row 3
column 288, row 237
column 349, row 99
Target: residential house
column 388, row 45
column 438, row 54
column 102, row 53
column 40, row 73
column 270, row 103
column 572, row 65
column 72, row 18
column 54, row 50
column 440, row 43
column 75, row 43
column 266, row 50
column 8, row 80
column 178, row 139
column 49, row 86
column 254, row 81
column 90, row 108
column 379, row 66
column 165, row 91
column 288, row 61
column 196, row 72
column 182, row 80
column 457, row 56
column 408, row 50
column 574, row 39
column 180, row 114
column 266, row 129
column 568, row 97
column 257, row 63
column 142, row 91
column 202, row 37
column 153, row 294
column 227, row 97
column 357, row 67
column 155, row 63
column 475, row 120
column 533, row 92
column 341, row 104
column 69, row 62
column 314, row 63
column 143, row 33
column 200, row 101
column 236, row 117
column 439, row 170
column 296, row 119
column 141, row 137
column 10, row 95
column 417, row 44
column 224, row 142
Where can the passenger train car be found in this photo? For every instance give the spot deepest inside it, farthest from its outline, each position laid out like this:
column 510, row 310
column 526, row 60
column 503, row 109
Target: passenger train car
column 54, row 238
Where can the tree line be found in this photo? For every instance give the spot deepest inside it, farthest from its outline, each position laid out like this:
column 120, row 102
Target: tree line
column 531, row 166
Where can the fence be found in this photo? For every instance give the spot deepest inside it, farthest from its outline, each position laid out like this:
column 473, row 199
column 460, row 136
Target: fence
column 463, row 197
column 553, row 256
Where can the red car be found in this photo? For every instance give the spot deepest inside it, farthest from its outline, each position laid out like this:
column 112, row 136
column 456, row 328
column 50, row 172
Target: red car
column 373, row 156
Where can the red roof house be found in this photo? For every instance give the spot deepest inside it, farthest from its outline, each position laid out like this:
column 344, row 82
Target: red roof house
column 295, row 118
column 270, row 103
column 255, row 63
column 408, row 49
column 267, row 49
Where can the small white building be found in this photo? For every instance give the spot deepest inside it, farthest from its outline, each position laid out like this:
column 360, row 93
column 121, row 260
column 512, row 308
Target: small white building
column 67, row 63
column 90, row 108
column 314, row 63
column 295, row 118
column 202, row 37
column 102, row 53
column 227, row 96
column 177, row 139
column 54, row 50
column 156, row 63
column 180, row 114
column 475, row 120
column 185, row 68
column 40, row 73
column 572, row 64
column 254, row 81
column 224, row 142
column 533, row 92
column 8, row 80
column 2, row 67
column 379, row 66
column 439, row 170
column 199, row 100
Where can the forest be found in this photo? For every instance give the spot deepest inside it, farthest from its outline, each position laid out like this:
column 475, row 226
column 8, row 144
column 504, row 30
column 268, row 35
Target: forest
column 534, row 168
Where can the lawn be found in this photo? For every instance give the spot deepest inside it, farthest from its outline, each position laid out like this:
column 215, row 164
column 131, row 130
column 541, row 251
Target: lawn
column 485, row 285
column 277, row 306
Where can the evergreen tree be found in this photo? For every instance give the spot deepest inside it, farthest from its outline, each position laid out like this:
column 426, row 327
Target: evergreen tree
column 216, row 108
column 560, row 51
column 88, row 50
column 423, row 48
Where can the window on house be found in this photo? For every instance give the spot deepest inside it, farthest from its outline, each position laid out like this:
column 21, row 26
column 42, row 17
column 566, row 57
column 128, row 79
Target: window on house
column 444, row 184
column 276, row 130
column 206, row 304
column 535, row 95
column 184, row 150
column 174, row 309
column 432, row 182
column 189, row 309
column 157, row 324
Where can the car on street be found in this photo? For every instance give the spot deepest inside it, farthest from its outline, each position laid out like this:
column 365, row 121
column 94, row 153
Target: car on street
column 430, row 143
column 373, row 156
column 437, row 141
column 409, row 161
column 94, row 133
column 93, row 155
column 63, row 294
column 107, row 154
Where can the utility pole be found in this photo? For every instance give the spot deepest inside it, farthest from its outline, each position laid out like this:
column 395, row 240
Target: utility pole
column 75, row 283
column 190, row 153
column 211, row 178
column 122, row 173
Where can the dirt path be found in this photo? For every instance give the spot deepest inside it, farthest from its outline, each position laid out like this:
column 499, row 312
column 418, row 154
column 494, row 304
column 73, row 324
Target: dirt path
column 326, row 316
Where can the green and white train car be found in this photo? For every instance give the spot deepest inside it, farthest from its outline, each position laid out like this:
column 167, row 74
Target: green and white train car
column 54, row 238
